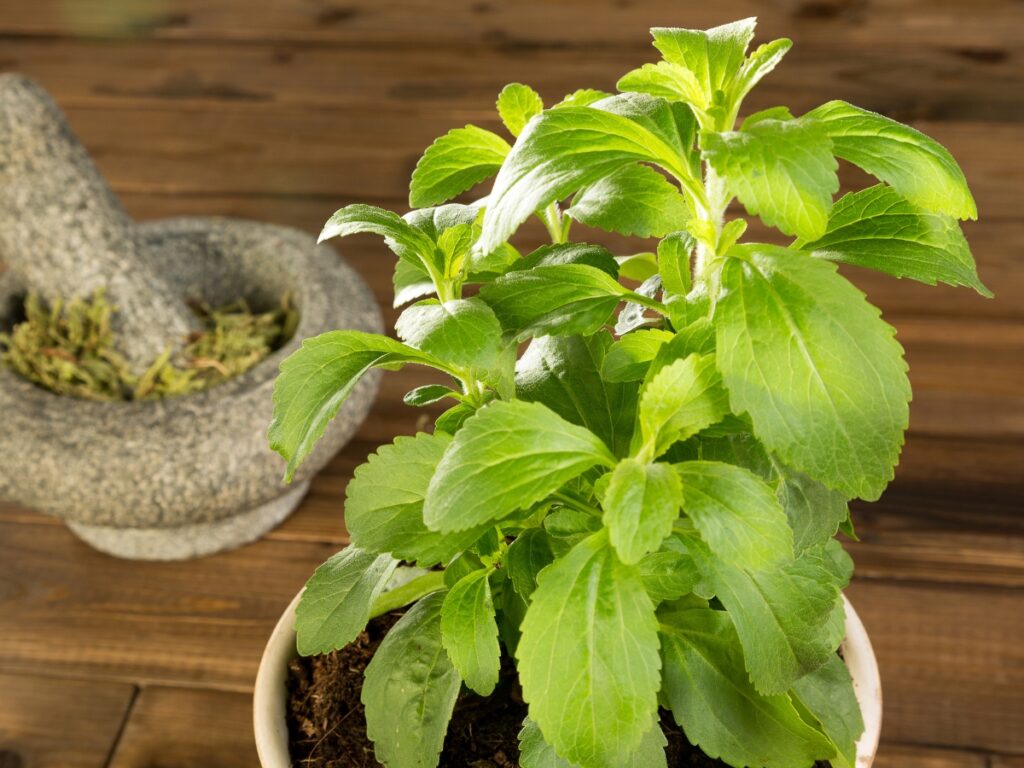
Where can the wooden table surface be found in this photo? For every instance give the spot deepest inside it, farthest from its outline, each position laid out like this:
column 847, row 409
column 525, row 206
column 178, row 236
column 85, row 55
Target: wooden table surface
column 283, row 110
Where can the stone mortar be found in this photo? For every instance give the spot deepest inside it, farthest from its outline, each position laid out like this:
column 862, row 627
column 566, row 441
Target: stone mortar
column 187, row 476
column 65, row 232
column 173, row 478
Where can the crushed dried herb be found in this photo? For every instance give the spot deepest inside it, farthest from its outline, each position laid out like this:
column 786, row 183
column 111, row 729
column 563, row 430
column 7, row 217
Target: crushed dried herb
column 68, row 348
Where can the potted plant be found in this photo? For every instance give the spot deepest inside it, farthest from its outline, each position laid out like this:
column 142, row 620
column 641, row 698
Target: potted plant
column 633, row 532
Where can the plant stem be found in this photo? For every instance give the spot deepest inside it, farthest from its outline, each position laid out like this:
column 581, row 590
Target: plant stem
column 577, row 504
column 644, row 301
column 407, row 593
column 552, row 219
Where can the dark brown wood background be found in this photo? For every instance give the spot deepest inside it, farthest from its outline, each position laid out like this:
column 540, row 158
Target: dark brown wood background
column 283, row 110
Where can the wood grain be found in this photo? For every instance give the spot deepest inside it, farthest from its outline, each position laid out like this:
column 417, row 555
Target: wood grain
column 49, row 722
column 906, row 82
column 69, row 610
column 185, row 728
column 903, row 756
column 985, row 25
column 951, row 662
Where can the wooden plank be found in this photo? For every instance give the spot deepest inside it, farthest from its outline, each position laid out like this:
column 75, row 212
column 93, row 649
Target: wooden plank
column 72, row 611
column 951, row 515
column 903, row 755
column 905, row 82
column 986, row 25
column 966, row 375
column 184, row 728
column 286, row 150
column 951, row 662
column 48, row 722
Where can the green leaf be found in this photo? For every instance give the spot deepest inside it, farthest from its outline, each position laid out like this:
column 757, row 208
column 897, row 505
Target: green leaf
column 783, row 614
column 451, row 421
column 672, row 122
column 772, row 113
column 714, row 56
column 566, row 527
column 463, row 332
column 809, row 359
column 736, row 513
column 562, row 151
column 667, row 81
column 638, row 266
column 629, row 358
column 674, row 263
column 634, row 200
column 682, row 399
column 435, row 221
column 878, row 229
column 410, row 688
column 408, row 242
column 720, row 711
column 560, row 299
column 827, row 693
column 460, row 567
column 460, row 159
column 451, row 228
column 565, row 374
column 410, row 282
column 697, row 338
column 781, row 170
column 668, row 574
column 517, row 105
column 428, row 394
column 640, row 505
column 469, row 632
column 318, row 377
column 508, row 456
column 534, row 752
column 384, row 503
column 335, row 605
column 814, row 511
column 596, row 256
column 588, row 657
column 915, row 165
column 485, row 267
column 762, row 61
column 582, row 97
column 526, row 557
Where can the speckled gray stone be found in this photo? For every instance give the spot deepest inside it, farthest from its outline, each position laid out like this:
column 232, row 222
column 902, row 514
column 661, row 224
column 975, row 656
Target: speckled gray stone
column 66, row 234
column 185, row 476
column 191, row 540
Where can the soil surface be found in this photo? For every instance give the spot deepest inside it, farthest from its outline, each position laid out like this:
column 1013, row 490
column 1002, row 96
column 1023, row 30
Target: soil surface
column 327, row 725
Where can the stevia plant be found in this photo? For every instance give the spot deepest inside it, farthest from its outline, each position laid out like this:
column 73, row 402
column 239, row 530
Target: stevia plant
column 643, row 516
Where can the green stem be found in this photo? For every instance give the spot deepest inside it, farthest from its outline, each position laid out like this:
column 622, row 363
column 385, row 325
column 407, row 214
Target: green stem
column 570, row 500
column 644, row 301
column 407, row 593
column 552, row 219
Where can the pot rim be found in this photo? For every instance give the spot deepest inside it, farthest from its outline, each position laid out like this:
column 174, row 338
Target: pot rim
column 271, row 728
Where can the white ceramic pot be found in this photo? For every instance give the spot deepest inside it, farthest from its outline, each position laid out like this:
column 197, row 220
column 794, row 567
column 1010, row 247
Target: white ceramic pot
column 270, row 695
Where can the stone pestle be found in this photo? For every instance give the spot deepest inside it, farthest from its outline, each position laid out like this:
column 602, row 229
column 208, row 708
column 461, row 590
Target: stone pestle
column 64, row 233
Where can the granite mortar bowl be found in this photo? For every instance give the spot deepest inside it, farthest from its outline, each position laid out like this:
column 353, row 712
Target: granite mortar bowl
column 188, row 476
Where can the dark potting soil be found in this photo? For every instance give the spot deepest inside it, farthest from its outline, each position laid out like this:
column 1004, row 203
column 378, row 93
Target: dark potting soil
column 327, row 726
